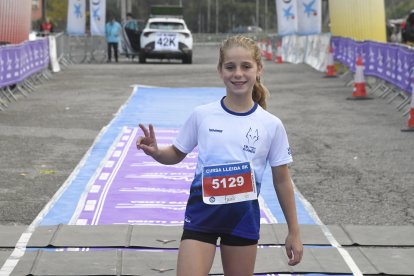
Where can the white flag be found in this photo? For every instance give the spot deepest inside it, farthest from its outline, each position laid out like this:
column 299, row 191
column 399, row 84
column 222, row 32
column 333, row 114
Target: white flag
column 98, row 10
column 309, row 17
column 287, row 19
column 76, row 17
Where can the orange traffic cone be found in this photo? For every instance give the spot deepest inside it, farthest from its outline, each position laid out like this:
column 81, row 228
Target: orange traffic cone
column 269, row 53
column 330, row 67
column 359, row 92
column 278, row 58
column 410, row 123
column 263, row 47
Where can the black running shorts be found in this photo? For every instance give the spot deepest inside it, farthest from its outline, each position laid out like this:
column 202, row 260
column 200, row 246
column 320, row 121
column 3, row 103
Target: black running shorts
column 213, row 237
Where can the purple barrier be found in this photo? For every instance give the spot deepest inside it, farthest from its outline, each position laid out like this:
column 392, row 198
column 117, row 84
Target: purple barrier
column 390, row 62
column 18, row 62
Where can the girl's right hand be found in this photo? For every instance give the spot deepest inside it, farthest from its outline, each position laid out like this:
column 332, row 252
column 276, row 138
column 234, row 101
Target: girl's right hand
column 148, row 142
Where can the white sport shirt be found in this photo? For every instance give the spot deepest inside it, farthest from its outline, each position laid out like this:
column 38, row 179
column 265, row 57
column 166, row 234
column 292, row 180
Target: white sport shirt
column 222, row 137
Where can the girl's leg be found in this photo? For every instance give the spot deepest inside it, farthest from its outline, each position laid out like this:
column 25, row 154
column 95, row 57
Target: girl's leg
column 195, row 258
column 238, row 260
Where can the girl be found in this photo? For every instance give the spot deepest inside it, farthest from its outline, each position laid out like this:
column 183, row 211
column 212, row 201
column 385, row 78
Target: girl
column 236, row 138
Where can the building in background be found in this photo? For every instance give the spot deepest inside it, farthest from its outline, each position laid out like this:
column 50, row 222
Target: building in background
column 37, row 10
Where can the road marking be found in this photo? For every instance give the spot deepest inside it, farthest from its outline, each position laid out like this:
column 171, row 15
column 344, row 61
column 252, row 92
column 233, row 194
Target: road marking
column 328, row 234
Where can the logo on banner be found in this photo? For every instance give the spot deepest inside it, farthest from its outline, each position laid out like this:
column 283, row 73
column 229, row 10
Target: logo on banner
column 95, row 10
column 288, row 14
column 78, row 11
column 9, row 62
column 310, row 8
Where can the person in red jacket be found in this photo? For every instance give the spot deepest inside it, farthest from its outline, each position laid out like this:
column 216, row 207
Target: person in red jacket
column 47, row 27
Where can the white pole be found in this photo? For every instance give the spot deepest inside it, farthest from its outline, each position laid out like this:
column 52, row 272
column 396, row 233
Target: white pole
column 217, row 16
column 266, row 15
column 123, row 10
column 129, row 7
column 208, row 15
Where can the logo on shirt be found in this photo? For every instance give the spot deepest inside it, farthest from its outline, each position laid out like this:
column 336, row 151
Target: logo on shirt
column 289, row 151
column 215, row 130
column 252, row 137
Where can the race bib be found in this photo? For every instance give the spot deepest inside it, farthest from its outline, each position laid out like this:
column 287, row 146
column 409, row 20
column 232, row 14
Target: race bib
column 166, row 41
column 228, row 183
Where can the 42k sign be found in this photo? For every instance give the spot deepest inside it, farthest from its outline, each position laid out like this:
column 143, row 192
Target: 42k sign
column 166, row 41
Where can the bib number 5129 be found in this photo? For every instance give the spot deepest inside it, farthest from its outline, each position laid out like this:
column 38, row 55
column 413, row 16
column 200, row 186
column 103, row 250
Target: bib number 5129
column 230, row 182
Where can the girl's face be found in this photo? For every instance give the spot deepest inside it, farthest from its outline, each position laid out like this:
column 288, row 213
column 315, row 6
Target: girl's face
column 239, row 71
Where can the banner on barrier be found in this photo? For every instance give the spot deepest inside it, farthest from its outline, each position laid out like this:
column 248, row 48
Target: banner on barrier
column 98, row 11
column 389, row 62
column 18, row 62
column 76, row 17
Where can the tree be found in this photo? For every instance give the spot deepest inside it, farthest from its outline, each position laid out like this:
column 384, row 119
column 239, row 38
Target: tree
column 56, row 10
column 395, row 9
column 232, row 13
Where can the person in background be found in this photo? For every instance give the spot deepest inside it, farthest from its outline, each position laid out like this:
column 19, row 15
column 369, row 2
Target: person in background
column 131, row 23
column 112, row 33
column 46, row 27
column 133, row 34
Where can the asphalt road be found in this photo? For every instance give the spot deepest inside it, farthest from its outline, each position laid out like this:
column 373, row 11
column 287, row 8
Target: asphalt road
column 351, row 162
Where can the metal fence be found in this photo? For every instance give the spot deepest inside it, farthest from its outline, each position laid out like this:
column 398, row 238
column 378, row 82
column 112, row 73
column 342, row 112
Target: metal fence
column 85, row 49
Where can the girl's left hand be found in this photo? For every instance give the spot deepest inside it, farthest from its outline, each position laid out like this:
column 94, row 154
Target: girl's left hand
column 294, row 249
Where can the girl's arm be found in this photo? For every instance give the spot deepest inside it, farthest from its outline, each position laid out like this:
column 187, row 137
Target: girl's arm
column 284, row 190
column 148, row 143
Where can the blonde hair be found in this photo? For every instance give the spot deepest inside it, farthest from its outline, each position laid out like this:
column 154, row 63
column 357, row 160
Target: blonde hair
column 260, row 92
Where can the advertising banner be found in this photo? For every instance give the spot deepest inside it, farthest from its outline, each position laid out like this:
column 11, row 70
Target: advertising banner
column 302, row 17
column 287, row 19
column 309, row 17
column 18, row 62
column 76, row 17
column 98, row 11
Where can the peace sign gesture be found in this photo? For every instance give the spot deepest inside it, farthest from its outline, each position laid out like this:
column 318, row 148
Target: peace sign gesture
column 148, row 142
